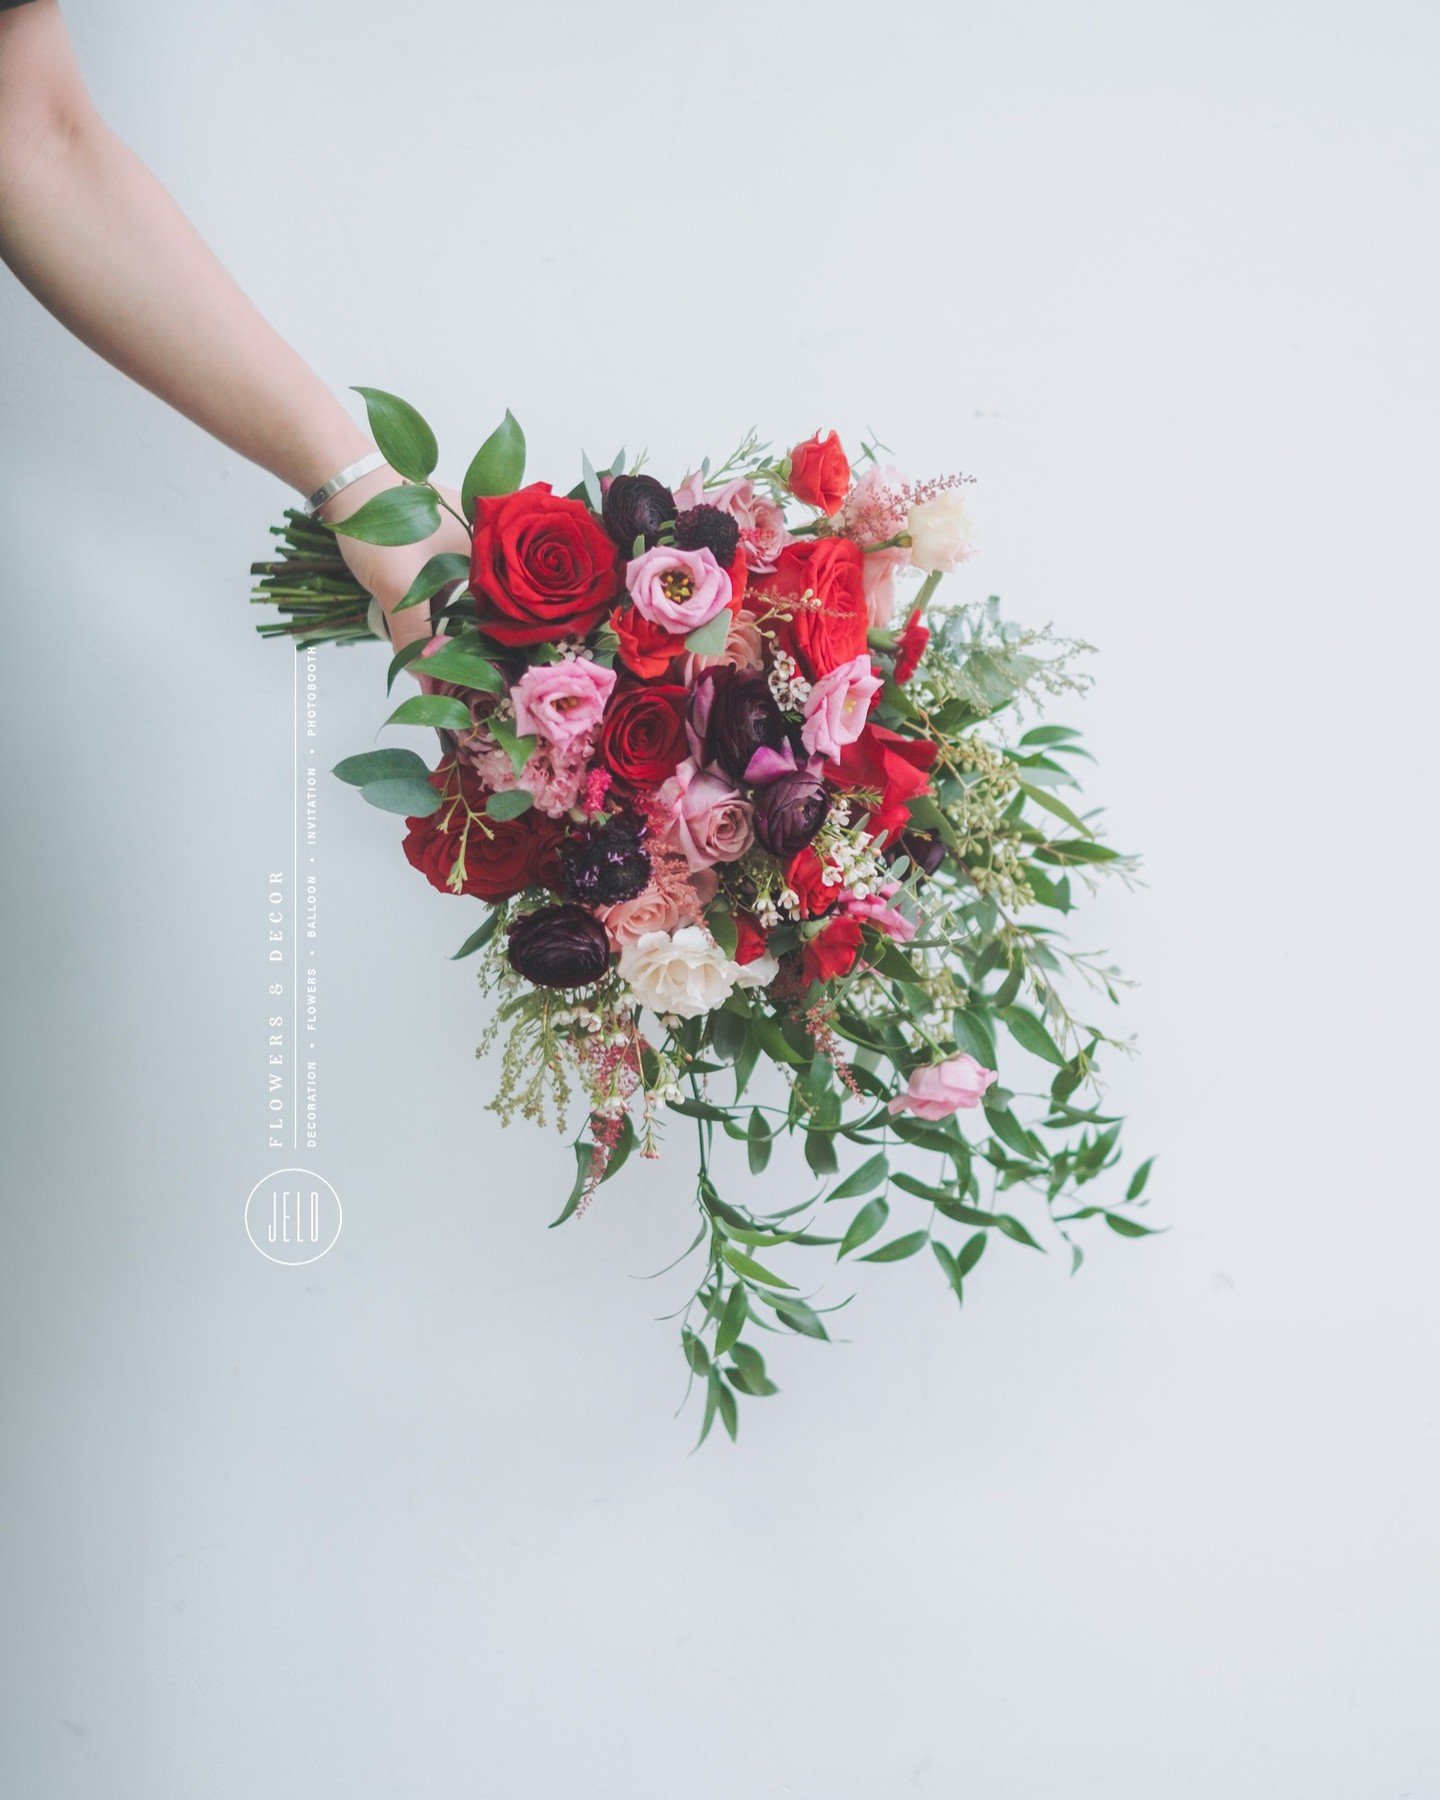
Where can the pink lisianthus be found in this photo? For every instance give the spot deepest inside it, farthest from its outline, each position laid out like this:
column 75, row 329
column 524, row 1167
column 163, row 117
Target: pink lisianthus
column 878, row 573
column 955, row 1085
column 874, row 909
column 562, row 701
column 762, row 523
column 744, row 649
column 679, row 590
column 710, row 821
column 837, row 707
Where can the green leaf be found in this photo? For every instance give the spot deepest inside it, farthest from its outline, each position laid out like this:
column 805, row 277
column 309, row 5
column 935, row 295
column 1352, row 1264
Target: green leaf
column 729, row 1412
column 518, row 749
column 436, row 710
column 722, row 926
column 1048, row 734
column 449, row 566
column 870, row 1219
column 1052, row 805
column 869, row 1175
column 498, row 466
column 478, row 939
column 402, row 659
column 899, row 1248
column 709, row 640
column 973, row 1033
column 799, row 1317
column 1139, row 1178
column 1014, row 1230
column 952, row 1269
column 727, row 1033
column 509, row 805
column 405, row 440
column 759, row 1140
column 749, row 1372
column 582, row 1177
column 402, row 515
column 1031, row 1035
column 1013, row 1134
column 970, row 1252
column 465, row 669
column 695, row 1352
column 1131, row 1228
column 752, row 1270
column 410, row 798
column 381, row 765
column 732, row 1320
column 820, row 1152
column 590, row 482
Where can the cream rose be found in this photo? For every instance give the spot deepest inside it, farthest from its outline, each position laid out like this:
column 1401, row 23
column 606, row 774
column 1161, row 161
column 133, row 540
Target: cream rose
column 942, row 534
column 683, row 972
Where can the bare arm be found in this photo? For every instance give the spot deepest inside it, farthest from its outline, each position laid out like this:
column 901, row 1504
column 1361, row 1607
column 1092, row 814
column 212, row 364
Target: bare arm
column 93, row 235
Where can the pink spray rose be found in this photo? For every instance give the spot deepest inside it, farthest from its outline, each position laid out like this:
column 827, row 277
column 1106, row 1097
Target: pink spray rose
column 711, row 822
column 878, row 575
column 554, row 777
column 677, row 589
column 876, row 507
column 874, row 909
column 837, row 707
column 561, row 701
column 954, row 1085
column 762, row 523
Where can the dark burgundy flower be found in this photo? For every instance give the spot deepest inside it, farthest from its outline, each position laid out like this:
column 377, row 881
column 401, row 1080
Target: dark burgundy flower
column 789, row 811
column 607, row 863
column 924, row 850
column 636, row 506
column 559, row 946
column 707, row 528
column 732, row 714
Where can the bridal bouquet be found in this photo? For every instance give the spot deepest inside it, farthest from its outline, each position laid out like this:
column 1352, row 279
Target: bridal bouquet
column 750, row 851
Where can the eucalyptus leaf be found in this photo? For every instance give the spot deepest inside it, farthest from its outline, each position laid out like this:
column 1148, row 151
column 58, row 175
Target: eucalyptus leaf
column 411, row 799
column 509, row 805
column 381, row 765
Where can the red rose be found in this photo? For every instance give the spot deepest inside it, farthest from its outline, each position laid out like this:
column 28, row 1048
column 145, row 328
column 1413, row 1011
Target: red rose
column 831, row 629
column 646, row 649
column 820, row 472
column 910, row 647
column 542, row 567
column 833, row 951
column 459, row 851
column 750, row 942
column 894, row 768
column 642, row 736
column 805, row 874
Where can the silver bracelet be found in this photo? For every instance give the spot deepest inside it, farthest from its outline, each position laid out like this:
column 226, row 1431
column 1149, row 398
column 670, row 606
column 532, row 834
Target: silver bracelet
column 367, row 465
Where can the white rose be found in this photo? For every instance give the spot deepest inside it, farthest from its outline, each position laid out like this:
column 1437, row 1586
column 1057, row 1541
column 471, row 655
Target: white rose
column 942, row 535
column 683, row 972
column 759, row 973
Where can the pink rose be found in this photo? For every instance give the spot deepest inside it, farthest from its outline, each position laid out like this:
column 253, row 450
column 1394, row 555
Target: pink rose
column 743, row 650
column 561, row 701
column 837, row 706
column 951, row 1086
column 762, row 523
column 711, row 822
column 677, row 589
column 878, row 574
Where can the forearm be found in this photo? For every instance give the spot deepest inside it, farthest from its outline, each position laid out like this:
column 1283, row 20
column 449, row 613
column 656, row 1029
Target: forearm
column 91, row 232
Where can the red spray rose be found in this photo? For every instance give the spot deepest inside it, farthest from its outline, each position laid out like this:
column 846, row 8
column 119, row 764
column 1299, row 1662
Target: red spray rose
column 541, row 568
column 805, row 874
column 820, row 472
column 646, row 649
column 833, row 570
column 910, row 647
column 643, row 734
column 495, row 857
column 833, row 951
column 895, row 767
column 750, row 940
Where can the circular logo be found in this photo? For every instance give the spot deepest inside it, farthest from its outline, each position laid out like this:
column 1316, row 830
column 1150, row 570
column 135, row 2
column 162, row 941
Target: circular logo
column 293, row 1217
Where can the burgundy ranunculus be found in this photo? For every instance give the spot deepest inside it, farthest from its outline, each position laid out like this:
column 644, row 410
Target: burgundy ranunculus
column 636, row 506
column 607, row 863
column 924, row 850
column 559, row 946
column 789, row 811
column 733, row 713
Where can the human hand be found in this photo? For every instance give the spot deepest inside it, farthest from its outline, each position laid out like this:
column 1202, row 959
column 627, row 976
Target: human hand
column 386, row 571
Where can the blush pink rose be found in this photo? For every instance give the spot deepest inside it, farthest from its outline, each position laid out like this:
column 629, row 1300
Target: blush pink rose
column 712, row 823
column 762, row 523
column 878, row 574
column 679, row 590
column 561, row 701
column 837, row 707
column 955, row 1085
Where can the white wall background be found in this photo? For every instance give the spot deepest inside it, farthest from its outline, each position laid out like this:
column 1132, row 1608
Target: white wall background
column 417, row 1522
